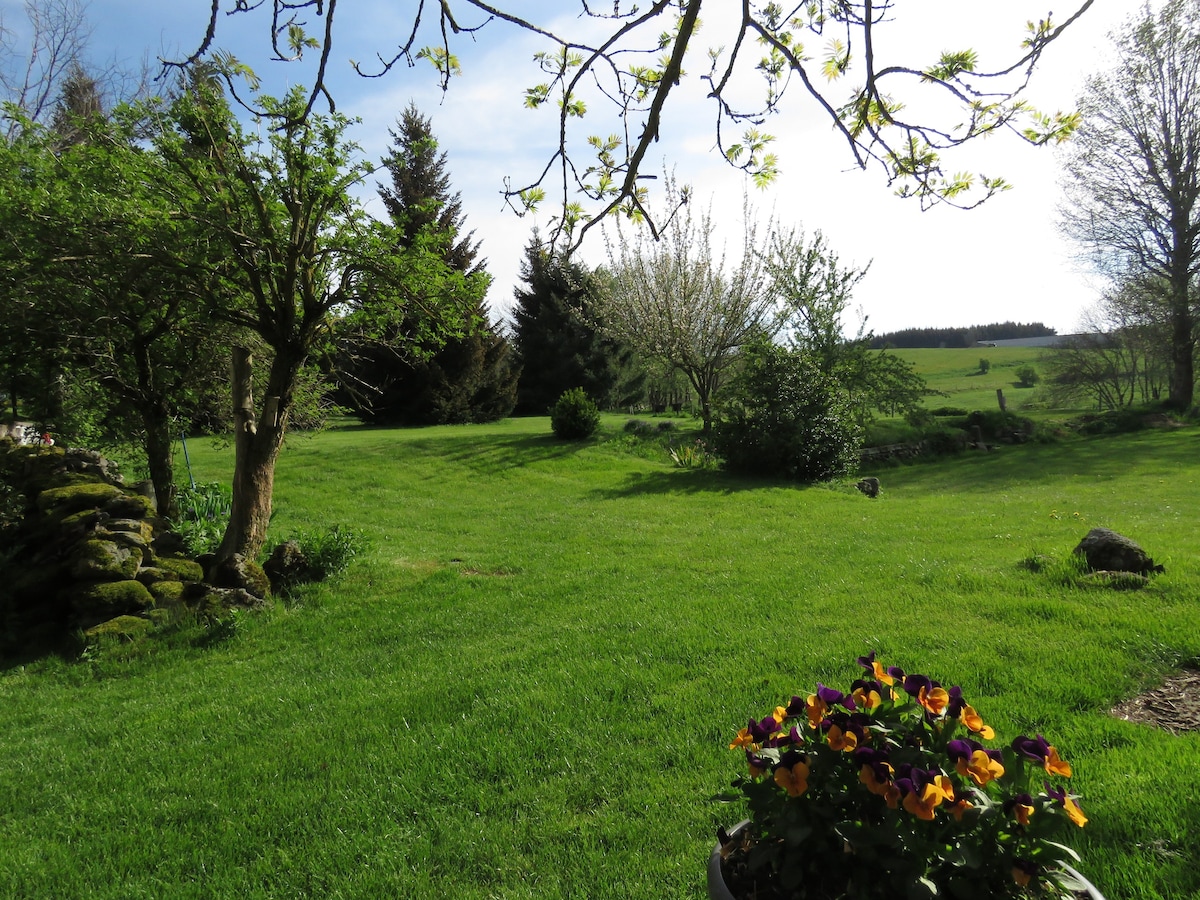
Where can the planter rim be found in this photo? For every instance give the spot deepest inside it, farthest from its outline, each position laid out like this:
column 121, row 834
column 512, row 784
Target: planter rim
column 717, row 889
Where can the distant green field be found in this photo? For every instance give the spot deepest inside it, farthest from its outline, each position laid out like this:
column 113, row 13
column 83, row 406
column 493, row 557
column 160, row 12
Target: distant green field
column 955, row 374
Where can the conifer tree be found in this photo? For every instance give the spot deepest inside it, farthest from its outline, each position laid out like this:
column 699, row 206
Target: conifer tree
column 471, row 376
column 557, row 344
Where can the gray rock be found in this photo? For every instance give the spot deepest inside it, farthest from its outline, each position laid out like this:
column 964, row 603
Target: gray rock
column 96, row 560
column 1107, row 551
column 288, row 566
column 869, row 486
column 239, row 573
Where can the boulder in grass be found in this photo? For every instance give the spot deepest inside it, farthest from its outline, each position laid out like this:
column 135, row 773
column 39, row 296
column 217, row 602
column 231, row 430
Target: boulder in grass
column 869, row 486
column 288, row 566
column 1107, row 551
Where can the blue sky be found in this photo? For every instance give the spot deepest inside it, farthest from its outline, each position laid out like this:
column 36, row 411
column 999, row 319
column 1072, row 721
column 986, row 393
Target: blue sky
column 1005, row 260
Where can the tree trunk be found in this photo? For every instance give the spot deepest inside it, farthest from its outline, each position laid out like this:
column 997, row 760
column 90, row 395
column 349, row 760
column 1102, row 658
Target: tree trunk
column 156, row 420
column 1183, row 348
column 159, row 458
column 256, row 449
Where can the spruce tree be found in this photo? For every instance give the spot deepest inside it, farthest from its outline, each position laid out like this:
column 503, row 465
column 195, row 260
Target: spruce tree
column 559, row 348
column 468, row 378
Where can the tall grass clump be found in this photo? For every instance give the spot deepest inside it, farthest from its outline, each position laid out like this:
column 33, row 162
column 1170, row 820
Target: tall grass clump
column 203, row 516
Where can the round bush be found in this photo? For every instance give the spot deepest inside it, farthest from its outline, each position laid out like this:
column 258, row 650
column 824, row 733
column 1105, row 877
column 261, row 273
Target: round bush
column 785, row 418
column 575, row 416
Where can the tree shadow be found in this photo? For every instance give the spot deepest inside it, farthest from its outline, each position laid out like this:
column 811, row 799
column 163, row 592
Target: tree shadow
column 687, row 481
column 495, row 454
column 1097, row 457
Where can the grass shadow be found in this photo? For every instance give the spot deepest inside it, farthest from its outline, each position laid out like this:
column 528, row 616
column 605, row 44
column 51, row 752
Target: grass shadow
column 499, row 453
column 686, row 481
column 1102, row 457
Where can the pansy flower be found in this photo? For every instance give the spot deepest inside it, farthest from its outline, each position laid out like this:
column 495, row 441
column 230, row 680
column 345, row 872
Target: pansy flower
column 957, row 702
column 758, row 765
column 744, row 739
column 838, row 739
column 1074, row 813
column 792, row 773
column 972, row 761
column 975, row 723
column 1039, row 750
column 1020, row 808
column 924, row 792
column 866, row 694
column 876, row 772
column 876, row 668
column 1023, row 871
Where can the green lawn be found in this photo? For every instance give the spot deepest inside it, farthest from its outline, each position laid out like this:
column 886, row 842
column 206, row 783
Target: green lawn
column 526, row 686
column 955, row 374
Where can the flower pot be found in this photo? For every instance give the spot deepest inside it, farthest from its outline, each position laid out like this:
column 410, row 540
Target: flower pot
column 717, row 889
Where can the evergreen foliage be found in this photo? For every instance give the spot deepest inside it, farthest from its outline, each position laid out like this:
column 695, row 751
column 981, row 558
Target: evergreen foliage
column 470, row 376
column 575, row 416
column 558, row 346
column 909, row 338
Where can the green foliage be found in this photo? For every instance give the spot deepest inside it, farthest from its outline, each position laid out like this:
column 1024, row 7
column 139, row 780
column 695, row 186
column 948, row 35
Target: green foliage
column 512, row 578
column 984, row 365
column 575, row 416
column 1027, row 376
column 693, row 456
column 892, row 780
column 461, row 368
column 784, row 417
column 816, row 291
column 202, row 517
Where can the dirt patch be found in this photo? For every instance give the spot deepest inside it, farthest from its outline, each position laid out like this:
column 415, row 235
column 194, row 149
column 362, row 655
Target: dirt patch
column 1174, row 706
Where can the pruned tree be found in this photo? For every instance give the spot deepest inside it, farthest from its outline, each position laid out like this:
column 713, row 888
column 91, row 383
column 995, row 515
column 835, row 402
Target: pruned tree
column 1132, row 175
column 31, row 77
column 300, row 250
column 44, row 61
column 682, row 300
column 631, row 60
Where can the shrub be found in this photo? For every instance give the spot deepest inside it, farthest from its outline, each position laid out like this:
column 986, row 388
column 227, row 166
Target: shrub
column 785, row 418
column 638, row 426
column 574, row 416
column 984, row 366
column 1027, row 376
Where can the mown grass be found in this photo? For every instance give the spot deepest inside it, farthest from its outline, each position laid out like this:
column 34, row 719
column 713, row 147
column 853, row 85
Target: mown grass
column 526, row 685
column 955, row 374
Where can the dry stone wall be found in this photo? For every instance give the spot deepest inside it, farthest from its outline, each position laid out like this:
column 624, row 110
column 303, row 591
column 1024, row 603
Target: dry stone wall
column 79, row 551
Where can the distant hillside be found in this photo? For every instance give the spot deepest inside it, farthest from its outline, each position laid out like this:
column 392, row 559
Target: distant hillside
column 911, row 338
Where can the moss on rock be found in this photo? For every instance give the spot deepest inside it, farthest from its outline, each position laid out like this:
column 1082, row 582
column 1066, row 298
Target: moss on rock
column 130, row 506
column 127, row 627
column 166, row 592
column 183, row 569
column 104, row 560
column 67, row 500
column 105, row 600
